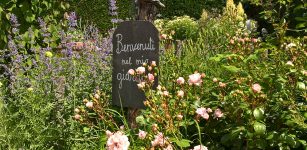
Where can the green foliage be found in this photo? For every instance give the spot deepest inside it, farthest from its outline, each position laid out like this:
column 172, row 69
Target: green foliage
column 97, row 12
column 191, row 8
column 28, row 12
column 286, row 16
column 43, row 83
column 180, row 28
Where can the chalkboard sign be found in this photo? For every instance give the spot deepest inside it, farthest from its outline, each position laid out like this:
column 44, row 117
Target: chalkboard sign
column 134, row 43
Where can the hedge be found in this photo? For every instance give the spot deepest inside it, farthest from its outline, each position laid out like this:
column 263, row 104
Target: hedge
column 97, row 11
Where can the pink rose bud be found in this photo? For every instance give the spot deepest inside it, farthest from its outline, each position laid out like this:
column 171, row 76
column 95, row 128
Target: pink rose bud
column 218, row 113
column 77, row 110
column 215, row 80
column 222, row 85
column 159, row 87
column 142, row 134
column 140, row 70
column 89, row 105
column 77, row 117
column 154, row 127
column 122, row 127
column 180, row 94
column 241, row 40
column 254, row 40
column 203, row 75
column 165, row 93
column 149, row 68
column 256, row 88
column 232, row 41
column 96, row 96
column 246, row 39
column 153, row 63
column 131, row 72
column 141, row 85
column 290, row 63
column 179, row 117
column 180, row 80
column 209, row 110
column 151, row 77
column 163, row 36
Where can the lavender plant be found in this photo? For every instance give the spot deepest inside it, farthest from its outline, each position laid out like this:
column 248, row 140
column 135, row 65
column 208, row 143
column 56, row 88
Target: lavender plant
column 43, row 80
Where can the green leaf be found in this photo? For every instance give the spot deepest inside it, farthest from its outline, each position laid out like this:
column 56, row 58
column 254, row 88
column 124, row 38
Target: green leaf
column 231, row 68
column 301, row 25
column 30, row 17
column 86, row 129
column 301, row 85
column 181, row 143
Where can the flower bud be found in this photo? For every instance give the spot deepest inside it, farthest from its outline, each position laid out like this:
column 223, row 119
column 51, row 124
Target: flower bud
column 96, row 96
column 77, row 110
column 85, row 101
column 179, row 117
column 77, row 117
column 131, row 72
column 180, row 94
column 153, row 64
column 89, row 105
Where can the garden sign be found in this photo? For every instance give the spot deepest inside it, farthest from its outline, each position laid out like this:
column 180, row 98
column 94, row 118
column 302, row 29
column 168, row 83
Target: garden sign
column 134, row 43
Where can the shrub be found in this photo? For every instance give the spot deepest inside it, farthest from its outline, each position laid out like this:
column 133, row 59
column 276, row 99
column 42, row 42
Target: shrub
column 43, row 82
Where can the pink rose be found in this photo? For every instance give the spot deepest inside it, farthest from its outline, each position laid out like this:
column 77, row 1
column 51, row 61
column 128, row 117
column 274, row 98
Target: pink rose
column 218, row 113
column 195, row 79
column 203, row 113
column 142, row 134
column 209, row 110
column 180, row 93
column 89, row 105
column 140, row 70
column 77, row 117
column 256, row 88
column 159, row 140
column 131, row 72
column 153, row 63
column 118, row 141
column 180, row 80
column 151, row 77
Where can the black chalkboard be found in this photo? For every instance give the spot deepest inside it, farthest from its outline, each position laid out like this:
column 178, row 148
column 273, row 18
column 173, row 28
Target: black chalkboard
column 134, row 43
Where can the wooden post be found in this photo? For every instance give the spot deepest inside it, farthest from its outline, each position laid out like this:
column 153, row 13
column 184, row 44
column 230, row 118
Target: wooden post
column 145, row 10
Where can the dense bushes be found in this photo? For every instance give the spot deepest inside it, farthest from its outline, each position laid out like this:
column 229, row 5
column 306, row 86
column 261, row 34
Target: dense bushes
column 97, row 11
column 28, row 12
column 191, row 8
